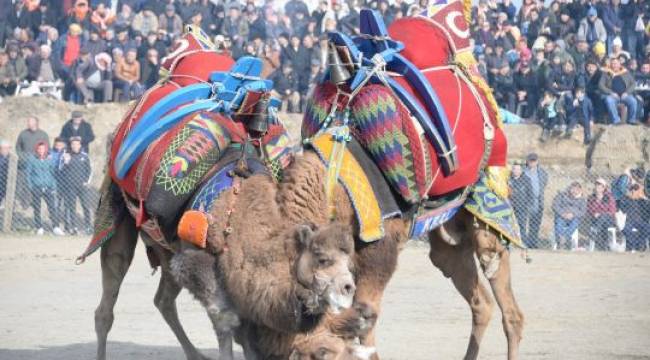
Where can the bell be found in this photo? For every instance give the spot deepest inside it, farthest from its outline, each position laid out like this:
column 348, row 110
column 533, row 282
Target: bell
column 339, row 74
column 258, row 121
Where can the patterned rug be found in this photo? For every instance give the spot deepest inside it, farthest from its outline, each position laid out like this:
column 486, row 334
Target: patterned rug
column 494, row 210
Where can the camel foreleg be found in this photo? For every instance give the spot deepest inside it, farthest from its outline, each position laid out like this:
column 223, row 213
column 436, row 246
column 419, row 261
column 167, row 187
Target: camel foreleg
column 495, row 261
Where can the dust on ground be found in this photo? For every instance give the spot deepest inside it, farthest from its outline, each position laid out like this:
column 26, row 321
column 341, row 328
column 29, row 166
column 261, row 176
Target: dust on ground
column 577, row 306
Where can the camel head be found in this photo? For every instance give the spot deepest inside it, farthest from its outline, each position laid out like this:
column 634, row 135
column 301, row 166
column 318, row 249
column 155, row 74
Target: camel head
column 324, row 264
column 330, row 347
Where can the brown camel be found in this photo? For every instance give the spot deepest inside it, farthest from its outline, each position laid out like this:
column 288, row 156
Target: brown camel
column 374, row 262
column 303, row 195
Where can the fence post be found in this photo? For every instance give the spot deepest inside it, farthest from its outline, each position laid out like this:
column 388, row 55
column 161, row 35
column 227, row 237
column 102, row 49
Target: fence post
column 10, row 196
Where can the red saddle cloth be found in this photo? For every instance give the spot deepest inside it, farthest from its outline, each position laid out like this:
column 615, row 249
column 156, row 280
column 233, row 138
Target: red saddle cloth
column 190, row 62
column 383, row 125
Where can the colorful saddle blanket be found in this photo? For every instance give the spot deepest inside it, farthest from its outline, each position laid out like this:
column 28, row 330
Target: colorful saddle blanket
column 384, row 125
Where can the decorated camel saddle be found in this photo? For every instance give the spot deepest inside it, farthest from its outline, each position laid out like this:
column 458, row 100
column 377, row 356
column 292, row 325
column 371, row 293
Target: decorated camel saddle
column 206, row 106
column 411, row 97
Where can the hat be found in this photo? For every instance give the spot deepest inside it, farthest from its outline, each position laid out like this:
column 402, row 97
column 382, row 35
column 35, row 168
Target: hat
column 617, row 41
column 103, row 57
column 599, row 49
column 592, row 12
column 75, row 138
column 77, row 114
column 532, row 157
column 170, row 7
column 601, row 181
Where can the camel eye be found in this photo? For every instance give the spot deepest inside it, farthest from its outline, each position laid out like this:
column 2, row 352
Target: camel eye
column 324, row 262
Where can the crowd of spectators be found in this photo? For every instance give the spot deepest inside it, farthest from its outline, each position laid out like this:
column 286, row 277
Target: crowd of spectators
column 573, row 62
column 612, row 208
column 58, row 176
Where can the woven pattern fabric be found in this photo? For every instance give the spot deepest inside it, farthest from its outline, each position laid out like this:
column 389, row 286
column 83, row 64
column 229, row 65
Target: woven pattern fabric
column 194, row 150
column 358, row 188
column 493, row 210
column 384, row 128
column 317, row 109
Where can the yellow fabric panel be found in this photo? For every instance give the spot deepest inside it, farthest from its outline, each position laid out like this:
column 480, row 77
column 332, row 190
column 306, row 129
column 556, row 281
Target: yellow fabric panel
column 358, row 187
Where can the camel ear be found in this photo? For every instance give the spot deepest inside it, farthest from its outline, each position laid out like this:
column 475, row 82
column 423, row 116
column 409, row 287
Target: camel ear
column 303, row 234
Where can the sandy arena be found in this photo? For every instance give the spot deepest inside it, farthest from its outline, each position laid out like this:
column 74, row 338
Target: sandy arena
column 577, row 306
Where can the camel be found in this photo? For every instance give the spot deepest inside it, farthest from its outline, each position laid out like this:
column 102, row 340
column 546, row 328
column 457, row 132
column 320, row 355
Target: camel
column 304, row 201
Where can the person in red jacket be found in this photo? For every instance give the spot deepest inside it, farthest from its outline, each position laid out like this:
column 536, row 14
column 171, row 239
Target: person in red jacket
column 601, row 207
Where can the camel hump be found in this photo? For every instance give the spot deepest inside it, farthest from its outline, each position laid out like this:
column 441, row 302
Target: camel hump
column 425, row 43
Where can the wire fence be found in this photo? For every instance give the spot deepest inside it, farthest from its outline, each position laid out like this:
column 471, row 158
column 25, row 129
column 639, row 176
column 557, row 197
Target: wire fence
column 56, row 195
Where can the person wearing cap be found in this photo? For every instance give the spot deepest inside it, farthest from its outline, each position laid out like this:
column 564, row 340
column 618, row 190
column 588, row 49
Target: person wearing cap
column 5, row 153
column 88, row 77
column 617, row 87
column 636, row 206
column 538, row 181
column 617, row 50
column 170, row 21
column 76, row 172
column 40, row 172
column 569, row 206
column 601, row 207
column 79, row 128
column 145, row 21
column 591, row 28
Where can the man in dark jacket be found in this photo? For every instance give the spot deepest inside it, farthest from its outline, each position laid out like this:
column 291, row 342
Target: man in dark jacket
column 580, row 110
column 89, row 77
column 569, row 207
column 527, row 90
column 504, row 88
column 538, row 180
column 76, row 171
column 617, row 86
column 286, row 88
column 78, row 127
column 5, row 153
column 520, row 191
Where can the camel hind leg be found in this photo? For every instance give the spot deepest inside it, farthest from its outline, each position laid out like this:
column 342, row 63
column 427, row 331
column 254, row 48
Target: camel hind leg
column 457, row 262
column 165, row 301
column 116, row 257
column 495, row 262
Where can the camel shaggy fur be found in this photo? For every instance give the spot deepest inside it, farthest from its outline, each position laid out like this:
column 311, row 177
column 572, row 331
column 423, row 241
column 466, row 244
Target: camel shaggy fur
column 303, row 201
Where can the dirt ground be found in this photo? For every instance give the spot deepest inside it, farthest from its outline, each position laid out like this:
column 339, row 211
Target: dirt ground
column 577, row 306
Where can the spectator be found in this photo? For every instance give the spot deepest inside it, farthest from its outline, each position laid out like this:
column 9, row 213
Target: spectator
column 5, row 154
column 592, row 29
column 520, row 191
column 286, row 88
column 551, row 114
column 78, row 128
column 618, row 52
column 76, row 171
column 538, row 180
column 504, row 88
column 124, row 17
column 40, row 176
column 617, row 86
column 150, row 69
column 93, row 73
column 95, row 43
column 601, row 208
column 7, row 76
column 170, row 22
column 235, row 27
column 69, row 45
column 127, row 76
column 17, row 63
column 256, row 26
column 526, row 88
column 59, row 148
column 636, row 207
column 569, row 207
column 580, row 110
column 612, row 20
column 145, row 22
column 102, row 17
column 123, row 41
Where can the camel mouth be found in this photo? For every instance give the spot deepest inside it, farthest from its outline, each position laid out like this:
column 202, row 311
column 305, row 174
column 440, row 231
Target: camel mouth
column 339, row 302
